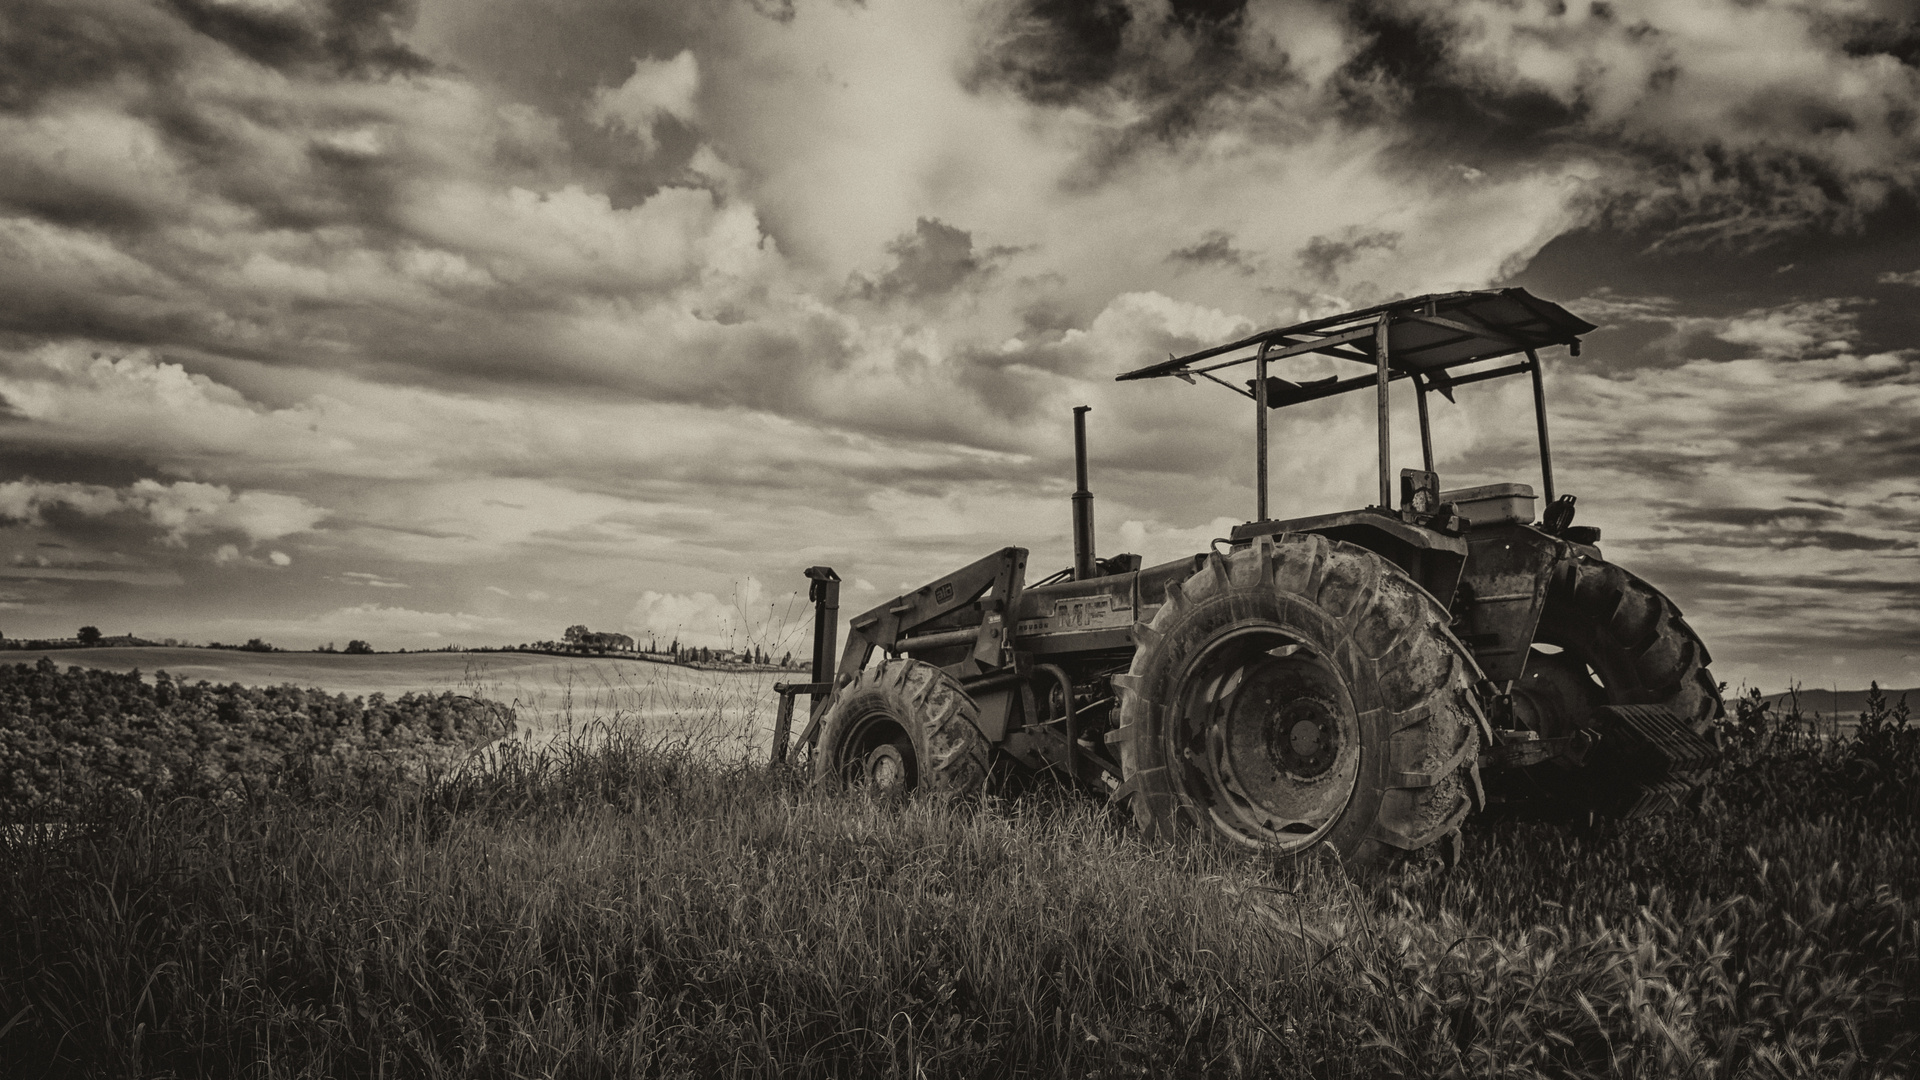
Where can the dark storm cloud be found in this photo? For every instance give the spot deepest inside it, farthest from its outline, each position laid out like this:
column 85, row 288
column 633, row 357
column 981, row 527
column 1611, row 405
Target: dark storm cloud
column 1215, row 249
column 1834, row 540
column 1767, row 169
column 1784, row 540
column 1734, row 583
column 1752, row 515
column 45, row 47
column 1826, row 444
column 933, row 261
column 72, row 465
column 1712, row 152
column 351, row 37
column 1324, row 256
column 1407, row 74
column 1183, row 72
column 1053, row 51
column 200, row 133
column 85, row 531
column 1870, row 35
column 1709, row 196
column 554, row 58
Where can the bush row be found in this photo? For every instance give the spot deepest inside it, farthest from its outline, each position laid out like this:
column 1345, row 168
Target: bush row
column 70, row 739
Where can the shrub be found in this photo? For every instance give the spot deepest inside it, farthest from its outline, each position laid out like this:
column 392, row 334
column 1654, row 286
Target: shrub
column 68, row 739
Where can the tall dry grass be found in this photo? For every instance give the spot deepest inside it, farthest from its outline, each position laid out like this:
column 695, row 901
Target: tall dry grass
column 729, row 714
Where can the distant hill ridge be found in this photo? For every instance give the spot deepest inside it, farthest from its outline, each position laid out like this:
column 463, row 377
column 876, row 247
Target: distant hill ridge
column 1846, row 704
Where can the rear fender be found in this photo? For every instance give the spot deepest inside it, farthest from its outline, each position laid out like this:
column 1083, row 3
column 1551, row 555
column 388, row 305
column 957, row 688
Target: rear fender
column 1428, row 556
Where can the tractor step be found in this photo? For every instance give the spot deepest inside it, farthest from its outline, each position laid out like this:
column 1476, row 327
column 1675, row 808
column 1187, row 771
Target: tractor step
column 1650, row 741
column 1646, row 759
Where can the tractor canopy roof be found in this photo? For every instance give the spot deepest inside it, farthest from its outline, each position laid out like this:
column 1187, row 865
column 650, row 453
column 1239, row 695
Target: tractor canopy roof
column 1425, row 336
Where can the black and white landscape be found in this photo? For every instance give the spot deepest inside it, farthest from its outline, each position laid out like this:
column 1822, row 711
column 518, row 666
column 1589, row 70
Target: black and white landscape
column 391, row 337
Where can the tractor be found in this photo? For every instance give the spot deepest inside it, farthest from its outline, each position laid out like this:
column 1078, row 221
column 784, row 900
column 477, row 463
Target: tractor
column 1357, row 682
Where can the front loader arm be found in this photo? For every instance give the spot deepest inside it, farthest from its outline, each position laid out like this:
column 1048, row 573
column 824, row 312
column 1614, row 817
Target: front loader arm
column 958, row 622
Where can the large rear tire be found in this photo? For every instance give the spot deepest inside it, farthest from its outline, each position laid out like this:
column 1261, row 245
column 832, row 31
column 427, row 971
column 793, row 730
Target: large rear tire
column 1300, row 693
column 1613, row 639
column 899, row 726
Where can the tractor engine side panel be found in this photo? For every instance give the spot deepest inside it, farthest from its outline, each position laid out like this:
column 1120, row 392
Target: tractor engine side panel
column 1502, row 592
column 1095, row 614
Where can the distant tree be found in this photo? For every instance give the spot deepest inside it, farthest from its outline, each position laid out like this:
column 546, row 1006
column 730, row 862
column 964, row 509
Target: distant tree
column 575, row 633
column 358, row 647
column 786, row 659
column 257, row 645
column 89, row 635
column 329, row 648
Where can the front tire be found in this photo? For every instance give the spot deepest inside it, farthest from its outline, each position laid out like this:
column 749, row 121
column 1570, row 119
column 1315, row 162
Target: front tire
column 900, row 726
column 1298, row 693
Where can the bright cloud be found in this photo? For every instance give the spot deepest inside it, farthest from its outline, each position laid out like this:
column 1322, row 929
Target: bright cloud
column 180, row 510
column 750, row 618
column 657, row 88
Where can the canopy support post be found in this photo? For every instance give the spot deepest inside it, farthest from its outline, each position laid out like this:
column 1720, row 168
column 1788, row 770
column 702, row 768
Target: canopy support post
column 1260, row 432
column 1426, row 429
column 1540, row 419
column 1386, row 439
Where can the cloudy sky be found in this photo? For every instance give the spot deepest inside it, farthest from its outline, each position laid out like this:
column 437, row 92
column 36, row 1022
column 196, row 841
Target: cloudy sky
column 463, row 321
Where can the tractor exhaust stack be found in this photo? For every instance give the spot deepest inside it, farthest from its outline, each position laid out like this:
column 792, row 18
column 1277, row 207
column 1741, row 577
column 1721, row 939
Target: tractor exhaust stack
column 1083, row 564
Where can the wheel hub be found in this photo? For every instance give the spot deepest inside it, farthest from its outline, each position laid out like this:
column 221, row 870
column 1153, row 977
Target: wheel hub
column 886, row 769
column 1279, row 743
column 1303, row 737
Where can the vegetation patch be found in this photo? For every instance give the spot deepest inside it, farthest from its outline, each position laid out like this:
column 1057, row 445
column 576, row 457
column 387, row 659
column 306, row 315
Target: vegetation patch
column 612, row 906
column 75, row 738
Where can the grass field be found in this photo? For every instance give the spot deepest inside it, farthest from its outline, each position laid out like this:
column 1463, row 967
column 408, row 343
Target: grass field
column 612, row 908
column 730, row 711
column 614, row 903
